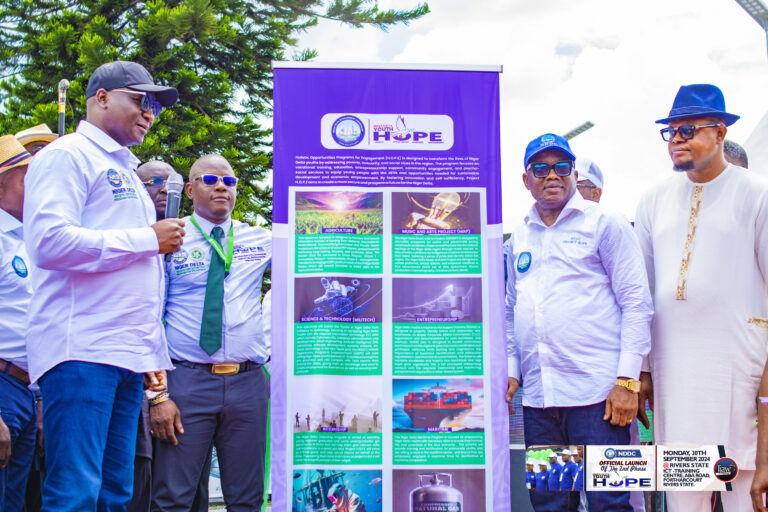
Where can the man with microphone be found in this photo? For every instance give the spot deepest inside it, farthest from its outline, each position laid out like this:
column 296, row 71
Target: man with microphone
column 95, row 319
column 218, row 393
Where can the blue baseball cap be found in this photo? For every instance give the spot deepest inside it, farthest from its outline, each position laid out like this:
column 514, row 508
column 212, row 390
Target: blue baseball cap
column 114, row 75
column 699, row 100
column 545, row 142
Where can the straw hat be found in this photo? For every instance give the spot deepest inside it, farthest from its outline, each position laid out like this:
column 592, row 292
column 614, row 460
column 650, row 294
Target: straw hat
column 12, row 153
column 37, row 133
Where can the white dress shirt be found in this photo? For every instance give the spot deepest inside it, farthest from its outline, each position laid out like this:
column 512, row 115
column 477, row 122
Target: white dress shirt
column 578, row 306
column 97, row 277
column 15, row 290
column 187, row 274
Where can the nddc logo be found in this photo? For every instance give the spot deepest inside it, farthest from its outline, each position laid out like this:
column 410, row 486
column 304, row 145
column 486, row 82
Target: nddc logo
column 348, row 131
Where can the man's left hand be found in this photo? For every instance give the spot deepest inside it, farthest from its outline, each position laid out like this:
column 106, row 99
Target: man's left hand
column 620, row 406
column 156, row 381
column 759, row 488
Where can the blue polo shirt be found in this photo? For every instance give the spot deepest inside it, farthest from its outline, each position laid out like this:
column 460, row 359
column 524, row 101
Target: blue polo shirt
column 578, row 485
column 530, row 480
column 554, row 477
column 570, row 469
column 541, row 481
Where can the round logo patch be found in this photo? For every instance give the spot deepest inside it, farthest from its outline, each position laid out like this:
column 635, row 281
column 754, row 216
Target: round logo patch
column 726, row 469
column 114, row 178
column 179, row 257
column 524, row 262
column 610, row 453
column 19, row 266
column 348, row 131
column 196, row 254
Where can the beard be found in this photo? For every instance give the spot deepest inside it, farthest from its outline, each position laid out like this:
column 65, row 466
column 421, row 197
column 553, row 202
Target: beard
column 687, row 166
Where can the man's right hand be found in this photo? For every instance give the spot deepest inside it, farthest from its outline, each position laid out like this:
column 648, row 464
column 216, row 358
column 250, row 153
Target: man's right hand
column 5, row 444
column 512, row 385
column 170, row 235
column 646, row 393
column 165, row 421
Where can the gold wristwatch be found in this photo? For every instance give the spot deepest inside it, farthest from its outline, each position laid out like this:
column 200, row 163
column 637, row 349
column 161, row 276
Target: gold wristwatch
column 632, row 385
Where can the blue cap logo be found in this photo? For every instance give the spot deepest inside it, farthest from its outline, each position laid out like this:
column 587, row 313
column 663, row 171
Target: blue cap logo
column 179, row 257
column 19, row 266
column 348, row 131
column 114, row 178
column 547, row 139
column 524, row 261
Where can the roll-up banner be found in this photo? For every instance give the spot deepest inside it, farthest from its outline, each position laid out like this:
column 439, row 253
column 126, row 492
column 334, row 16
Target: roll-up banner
column 388, row 360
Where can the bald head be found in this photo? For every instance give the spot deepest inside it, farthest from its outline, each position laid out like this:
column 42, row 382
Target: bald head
column 207, row 162
column 154, row 175
column 154, row 168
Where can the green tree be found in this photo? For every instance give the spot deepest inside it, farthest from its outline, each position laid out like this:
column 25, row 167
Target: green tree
column 217, row 53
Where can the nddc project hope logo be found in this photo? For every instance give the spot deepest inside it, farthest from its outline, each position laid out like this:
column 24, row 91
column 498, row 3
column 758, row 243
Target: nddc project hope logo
column 418, row 132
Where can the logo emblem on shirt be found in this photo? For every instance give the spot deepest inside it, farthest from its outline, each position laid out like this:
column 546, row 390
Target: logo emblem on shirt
column 524, row 261
column 196, row 254
column 179, row 257
column 114, row 178
column 19, row 266
column 726, row 469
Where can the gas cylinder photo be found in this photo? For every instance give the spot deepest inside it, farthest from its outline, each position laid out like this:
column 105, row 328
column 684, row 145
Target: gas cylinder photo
column 436, row 493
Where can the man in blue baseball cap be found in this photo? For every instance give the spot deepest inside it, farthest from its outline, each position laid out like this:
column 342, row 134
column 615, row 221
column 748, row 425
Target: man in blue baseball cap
column 578, row 318
column 704, row 235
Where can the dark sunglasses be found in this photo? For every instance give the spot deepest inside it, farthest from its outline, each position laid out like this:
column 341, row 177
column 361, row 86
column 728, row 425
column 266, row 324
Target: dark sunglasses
column 562, row 169
column 147, row 101
column 686, row 131
column 211, row 180
column 155, row 182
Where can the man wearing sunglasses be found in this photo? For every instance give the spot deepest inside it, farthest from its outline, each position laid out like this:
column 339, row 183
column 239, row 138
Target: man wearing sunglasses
column 578, row 318
column 153, row 176
column 94, row 324
column 704, row 234
column 218, row 393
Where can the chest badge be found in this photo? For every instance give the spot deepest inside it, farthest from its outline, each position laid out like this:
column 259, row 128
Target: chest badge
column 113, row 177
column 19, row 266
column 524, row 262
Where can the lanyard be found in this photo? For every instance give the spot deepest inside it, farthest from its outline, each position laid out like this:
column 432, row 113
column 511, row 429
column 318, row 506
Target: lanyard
column 216, row 246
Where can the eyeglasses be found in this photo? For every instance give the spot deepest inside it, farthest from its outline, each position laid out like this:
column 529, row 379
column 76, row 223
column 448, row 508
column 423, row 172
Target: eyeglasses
column 686, row 131
column 562, row 169
column 584, row 185
column 211, row 180
column 155, row 182
column 147, row 101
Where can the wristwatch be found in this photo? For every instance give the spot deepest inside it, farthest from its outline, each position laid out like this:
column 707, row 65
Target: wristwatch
column 632, row 385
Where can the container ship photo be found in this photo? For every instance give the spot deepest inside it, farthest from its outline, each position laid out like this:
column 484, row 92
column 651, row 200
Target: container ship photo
column 430, row 409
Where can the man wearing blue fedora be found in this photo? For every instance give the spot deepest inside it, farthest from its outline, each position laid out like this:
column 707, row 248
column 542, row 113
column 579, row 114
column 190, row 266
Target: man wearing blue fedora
column 704, row 234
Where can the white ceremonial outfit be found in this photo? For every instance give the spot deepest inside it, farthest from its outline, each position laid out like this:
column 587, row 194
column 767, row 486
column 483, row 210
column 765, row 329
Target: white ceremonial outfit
column 578, row 308
column 709, row 332
column 98, row 277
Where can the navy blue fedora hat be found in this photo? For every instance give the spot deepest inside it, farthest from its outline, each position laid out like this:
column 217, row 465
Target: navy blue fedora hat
column 699, row 100
column 545, row 142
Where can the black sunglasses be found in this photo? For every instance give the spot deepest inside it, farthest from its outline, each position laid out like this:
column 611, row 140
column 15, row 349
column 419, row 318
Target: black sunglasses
column 562, row 169
column 686, row 131
column 211, row 180
column 147, row 101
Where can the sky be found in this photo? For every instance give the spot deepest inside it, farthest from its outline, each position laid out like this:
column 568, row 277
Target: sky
column 617, row 64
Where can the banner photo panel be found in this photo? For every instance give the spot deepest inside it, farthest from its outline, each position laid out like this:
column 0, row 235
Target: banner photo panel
column 388, row 357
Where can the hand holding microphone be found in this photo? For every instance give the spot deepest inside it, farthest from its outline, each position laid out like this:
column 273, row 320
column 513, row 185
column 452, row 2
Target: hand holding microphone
column 170, row 231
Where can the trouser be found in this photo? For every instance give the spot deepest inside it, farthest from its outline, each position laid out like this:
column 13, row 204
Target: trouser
column 736, row 500
column 17, row 407
column 574, row 426
column 229, row 412
column 90, row 412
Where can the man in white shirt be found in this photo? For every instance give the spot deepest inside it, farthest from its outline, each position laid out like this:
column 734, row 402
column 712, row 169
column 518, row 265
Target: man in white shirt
column 218, row 392
column 18, row 414
column 578, row 318
column 94, row 324
column 704, row 235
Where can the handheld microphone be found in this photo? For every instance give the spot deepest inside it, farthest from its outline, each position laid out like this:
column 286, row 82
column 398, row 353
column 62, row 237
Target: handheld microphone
column 174, row 185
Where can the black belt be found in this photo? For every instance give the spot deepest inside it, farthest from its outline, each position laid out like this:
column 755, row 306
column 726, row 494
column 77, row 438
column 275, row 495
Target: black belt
column 221, row 368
